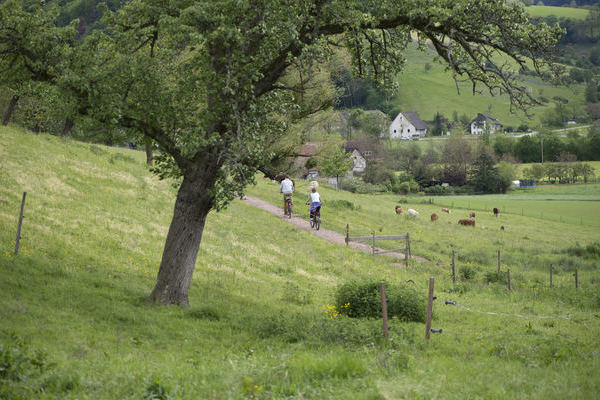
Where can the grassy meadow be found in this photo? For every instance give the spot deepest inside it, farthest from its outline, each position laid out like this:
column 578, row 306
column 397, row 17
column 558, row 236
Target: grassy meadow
column 434, row 90
column 560, row 12
column 74, row 323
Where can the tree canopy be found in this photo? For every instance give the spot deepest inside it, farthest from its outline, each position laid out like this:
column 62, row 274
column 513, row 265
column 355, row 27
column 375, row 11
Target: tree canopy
column 213, row 82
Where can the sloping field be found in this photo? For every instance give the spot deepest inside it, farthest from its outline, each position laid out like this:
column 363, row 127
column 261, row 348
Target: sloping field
column 560, row 12
column 428, row 91
column 75, row 324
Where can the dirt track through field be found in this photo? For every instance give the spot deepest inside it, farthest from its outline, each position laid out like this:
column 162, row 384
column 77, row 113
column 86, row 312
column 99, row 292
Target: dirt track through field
column 331, row 236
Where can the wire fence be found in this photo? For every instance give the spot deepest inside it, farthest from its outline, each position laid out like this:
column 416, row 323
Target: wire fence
column 548, row 216
column 568, row 316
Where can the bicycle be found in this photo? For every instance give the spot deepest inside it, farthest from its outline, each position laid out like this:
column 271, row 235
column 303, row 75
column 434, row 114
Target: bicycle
column 315, row 218
column 289, row 202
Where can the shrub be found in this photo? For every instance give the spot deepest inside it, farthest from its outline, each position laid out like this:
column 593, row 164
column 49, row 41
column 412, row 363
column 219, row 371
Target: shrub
column 363, row 300
column 467, row 272
column 592, row 250
column 496, row 277
column 341, row 204
column 437, row 189
column 156, row 391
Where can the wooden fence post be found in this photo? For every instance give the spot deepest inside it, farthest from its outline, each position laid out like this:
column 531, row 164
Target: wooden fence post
column 20, row 223
column 576, row 279
column 498, row 260
column 408, row 243
column 384, row 313
column 508, row 278
column 347, row 234
column 551, row 284
column 429, row 309
column 453, row 269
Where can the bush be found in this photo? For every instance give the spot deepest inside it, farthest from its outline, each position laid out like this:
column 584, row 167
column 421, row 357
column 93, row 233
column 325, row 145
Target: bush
column 437, row 189
column 496, row 277
column 341, row 204
column 363, row 300
column 592, row 250
column 356, row 186
column 467, row 272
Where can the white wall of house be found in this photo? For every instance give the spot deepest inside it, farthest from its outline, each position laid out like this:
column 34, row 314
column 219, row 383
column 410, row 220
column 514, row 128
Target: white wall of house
column 402, row 128
column 359, row 162
column 479, row 127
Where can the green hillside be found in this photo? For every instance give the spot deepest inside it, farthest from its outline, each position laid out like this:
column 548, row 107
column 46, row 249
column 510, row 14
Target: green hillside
column 433, row 90
column 560, row 12
column 75, row 325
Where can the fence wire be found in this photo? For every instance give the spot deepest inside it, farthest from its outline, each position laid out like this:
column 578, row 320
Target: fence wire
column 568, row 316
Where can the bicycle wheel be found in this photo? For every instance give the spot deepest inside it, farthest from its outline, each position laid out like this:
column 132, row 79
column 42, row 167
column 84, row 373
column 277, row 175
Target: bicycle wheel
column 312, row 221
column 317, row 222
column 290, row 209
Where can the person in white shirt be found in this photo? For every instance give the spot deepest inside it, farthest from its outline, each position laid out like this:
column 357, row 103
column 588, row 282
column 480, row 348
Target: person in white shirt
column 314, row 199
column 287, row 188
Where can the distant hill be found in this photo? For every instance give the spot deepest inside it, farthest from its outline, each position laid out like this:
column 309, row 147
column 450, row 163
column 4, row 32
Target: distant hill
column 427, row 87
column 565, row 12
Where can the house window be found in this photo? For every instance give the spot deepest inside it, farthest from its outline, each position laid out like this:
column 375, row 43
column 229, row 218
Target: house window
column 394, row 131
column 408, row 130
column 368, row 153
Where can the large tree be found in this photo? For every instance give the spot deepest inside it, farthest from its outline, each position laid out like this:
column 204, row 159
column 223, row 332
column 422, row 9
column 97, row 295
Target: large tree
column 212, row 82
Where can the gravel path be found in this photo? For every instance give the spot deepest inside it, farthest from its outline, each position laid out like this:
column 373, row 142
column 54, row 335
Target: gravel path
column 331, row 236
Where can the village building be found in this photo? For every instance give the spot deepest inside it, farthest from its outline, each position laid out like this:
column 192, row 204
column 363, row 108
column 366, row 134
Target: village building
column 407, row 125
column 485, row 123
column 361, row 152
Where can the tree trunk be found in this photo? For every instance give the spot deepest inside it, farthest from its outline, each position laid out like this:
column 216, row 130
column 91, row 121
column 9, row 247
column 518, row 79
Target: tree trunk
column 183, row 240
column 148, row 146
column 11, row 108
column 67, row 127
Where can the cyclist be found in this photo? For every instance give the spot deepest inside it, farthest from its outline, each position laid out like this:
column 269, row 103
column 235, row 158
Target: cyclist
column 287, row 188
column 314, row 199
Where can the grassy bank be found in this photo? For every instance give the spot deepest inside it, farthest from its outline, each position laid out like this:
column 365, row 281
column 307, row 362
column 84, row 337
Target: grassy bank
column 75, row 324
column 560, row 12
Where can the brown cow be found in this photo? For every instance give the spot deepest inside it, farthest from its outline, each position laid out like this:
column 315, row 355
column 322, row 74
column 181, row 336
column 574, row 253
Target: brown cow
column 496, row 212
column 502, row 228
column 467, row 222
column 446, row 210
column 471, row 215
column 434, row 217
column 398, row 209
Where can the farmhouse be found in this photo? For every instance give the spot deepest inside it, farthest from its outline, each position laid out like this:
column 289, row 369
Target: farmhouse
column 360, row 153
column 484, row 123
column 408, row 125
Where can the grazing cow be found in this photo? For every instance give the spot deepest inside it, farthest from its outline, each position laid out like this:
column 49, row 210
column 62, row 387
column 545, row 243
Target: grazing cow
column 471, row 215
column 434, row 217
column 412, row 213
column 446, row 210
column 496, row 212
column 467, row 222
column 398, row 209
column 502, row 228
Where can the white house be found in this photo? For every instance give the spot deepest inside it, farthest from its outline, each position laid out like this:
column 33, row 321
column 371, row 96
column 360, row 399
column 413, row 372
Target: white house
column 361, row 152
column 483, row 123
column 408, row 125
column 359, row 163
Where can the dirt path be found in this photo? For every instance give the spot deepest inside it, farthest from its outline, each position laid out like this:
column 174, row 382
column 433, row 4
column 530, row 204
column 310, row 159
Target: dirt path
column 331, row 236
